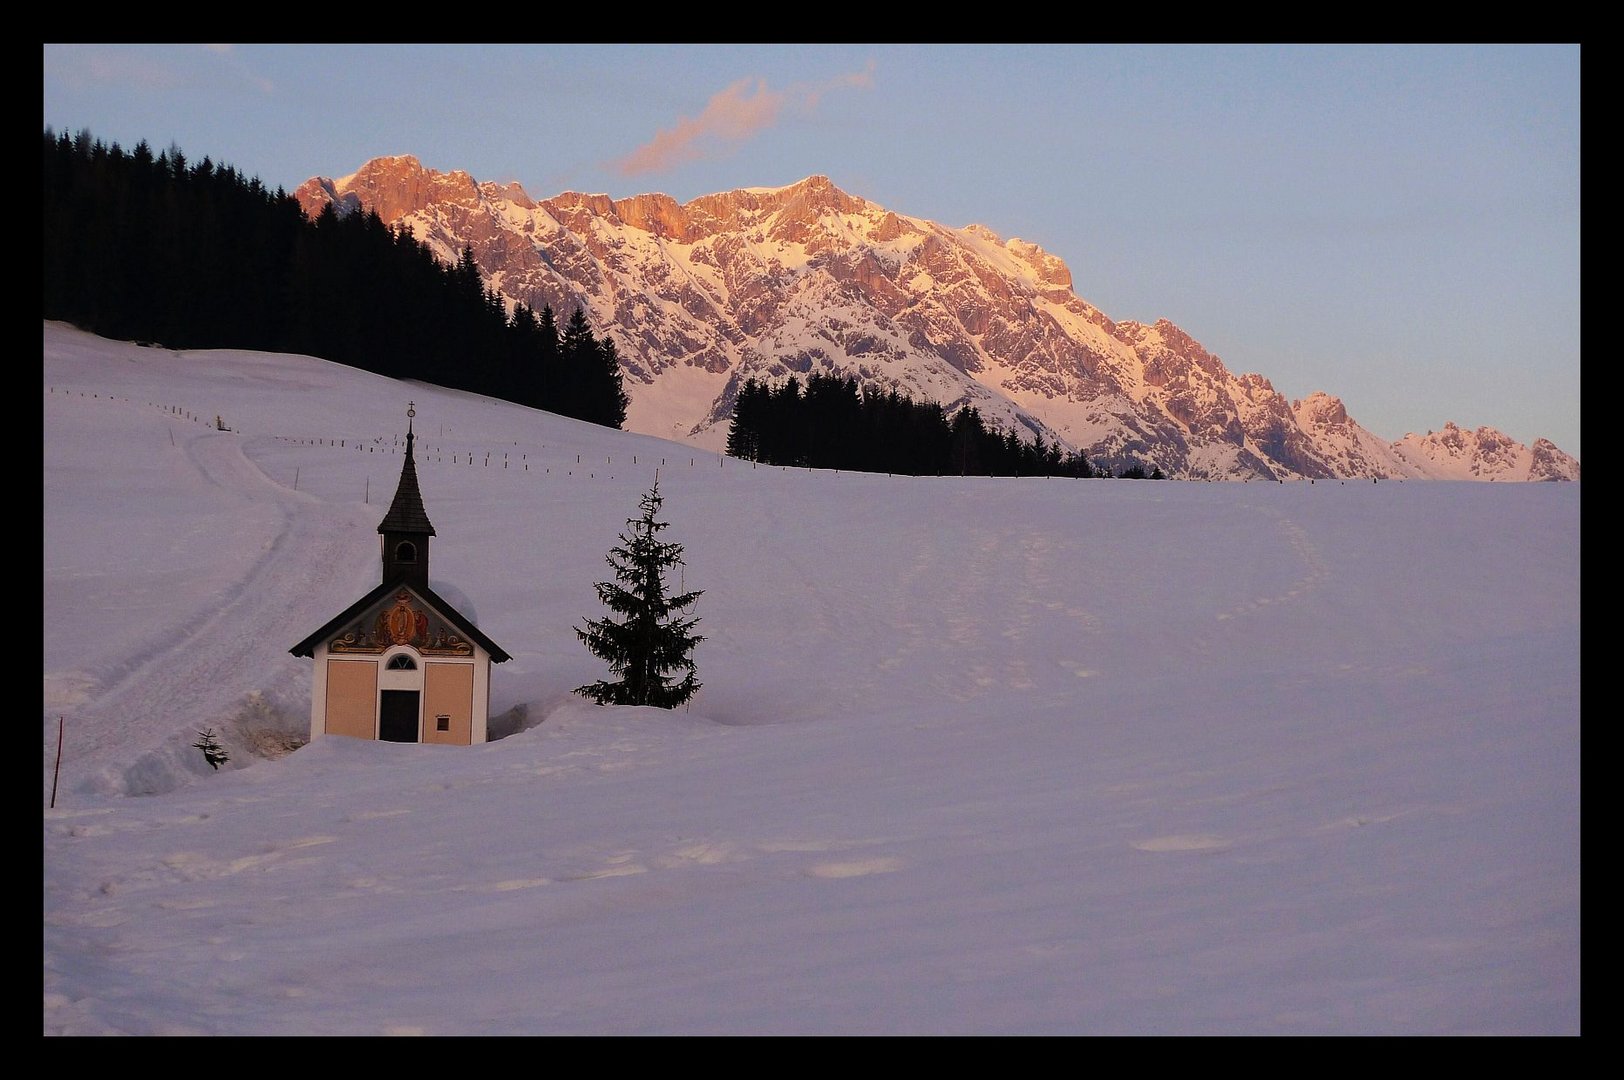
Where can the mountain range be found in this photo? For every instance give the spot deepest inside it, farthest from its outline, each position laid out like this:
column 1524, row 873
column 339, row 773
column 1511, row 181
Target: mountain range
column 769, row 283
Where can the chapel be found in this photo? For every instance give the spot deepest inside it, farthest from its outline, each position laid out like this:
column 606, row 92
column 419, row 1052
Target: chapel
column 401, row 664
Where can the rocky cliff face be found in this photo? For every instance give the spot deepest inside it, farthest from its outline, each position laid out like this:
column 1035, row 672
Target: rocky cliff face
column 765, row 283
column 1454, row 453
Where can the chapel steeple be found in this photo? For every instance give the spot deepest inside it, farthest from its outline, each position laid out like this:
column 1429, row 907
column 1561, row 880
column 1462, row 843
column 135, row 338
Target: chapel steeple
column 406, row 528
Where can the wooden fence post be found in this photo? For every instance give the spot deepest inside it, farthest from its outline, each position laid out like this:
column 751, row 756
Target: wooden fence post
column 58, row 771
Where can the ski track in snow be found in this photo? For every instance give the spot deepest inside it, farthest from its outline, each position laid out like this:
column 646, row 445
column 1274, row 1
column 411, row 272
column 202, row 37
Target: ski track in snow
column 1314, row 570
column 200, row 673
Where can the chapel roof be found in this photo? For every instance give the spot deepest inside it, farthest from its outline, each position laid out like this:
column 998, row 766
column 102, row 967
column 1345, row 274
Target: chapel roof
column 406, row 513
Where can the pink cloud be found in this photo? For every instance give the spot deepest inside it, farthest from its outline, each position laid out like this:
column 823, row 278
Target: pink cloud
column 732, row 116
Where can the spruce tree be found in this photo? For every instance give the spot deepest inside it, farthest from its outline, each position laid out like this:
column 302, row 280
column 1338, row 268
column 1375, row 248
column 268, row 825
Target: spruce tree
column 610, row 389
column 744, row 434
column 213, row 752
column 578, row 361
column 645, row 645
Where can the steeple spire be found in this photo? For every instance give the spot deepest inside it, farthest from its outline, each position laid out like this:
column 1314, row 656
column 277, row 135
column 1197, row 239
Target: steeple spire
column 406, row 527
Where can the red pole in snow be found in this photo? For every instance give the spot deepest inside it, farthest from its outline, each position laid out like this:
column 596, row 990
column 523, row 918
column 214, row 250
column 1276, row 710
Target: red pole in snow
column 58, row 771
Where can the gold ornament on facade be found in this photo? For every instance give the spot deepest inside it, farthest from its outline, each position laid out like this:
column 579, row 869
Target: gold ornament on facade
column 355, row 641
column 402, row 623
column 447, row 644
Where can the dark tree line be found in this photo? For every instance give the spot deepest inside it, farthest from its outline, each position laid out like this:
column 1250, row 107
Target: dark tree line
column 832, row 425
column 144, row 247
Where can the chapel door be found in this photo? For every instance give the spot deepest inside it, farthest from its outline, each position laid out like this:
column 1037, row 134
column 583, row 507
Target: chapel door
column 397, row 716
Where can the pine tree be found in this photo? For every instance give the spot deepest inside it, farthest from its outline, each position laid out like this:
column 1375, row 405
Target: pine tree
column 646, row 646
column 578, row 355
column 610, row 389
column 744, row 434
column 213, row 752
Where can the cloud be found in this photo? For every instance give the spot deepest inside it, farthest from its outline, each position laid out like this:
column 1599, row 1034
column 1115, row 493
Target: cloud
column 80, row 68
column 733, row 116
column 144, row 69
column 861, row 80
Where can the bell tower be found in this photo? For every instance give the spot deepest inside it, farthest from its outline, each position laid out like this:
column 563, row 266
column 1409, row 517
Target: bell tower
column 405, row 529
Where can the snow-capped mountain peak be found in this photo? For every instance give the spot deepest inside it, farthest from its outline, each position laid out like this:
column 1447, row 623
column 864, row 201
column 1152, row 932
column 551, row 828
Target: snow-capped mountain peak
column 767, row 283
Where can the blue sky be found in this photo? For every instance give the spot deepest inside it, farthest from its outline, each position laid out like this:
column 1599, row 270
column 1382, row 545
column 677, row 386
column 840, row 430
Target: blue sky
column 1396, row 225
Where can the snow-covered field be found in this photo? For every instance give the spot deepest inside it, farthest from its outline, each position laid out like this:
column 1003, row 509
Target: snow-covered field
column 1031, row 756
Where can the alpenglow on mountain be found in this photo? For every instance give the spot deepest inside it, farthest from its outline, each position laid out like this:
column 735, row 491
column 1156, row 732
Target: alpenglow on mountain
column 768, row 283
